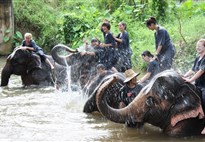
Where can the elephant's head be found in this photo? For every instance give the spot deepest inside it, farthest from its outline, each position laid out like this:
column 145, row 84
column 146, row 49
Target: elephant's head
column 69, row 55
column 19, row 62
column 23, row 61
column 166, row 102
column 112, row 98
column 82, row 67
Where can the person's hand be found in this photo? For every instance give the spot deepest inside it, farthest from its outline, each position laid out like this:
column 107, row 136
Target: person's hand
column 155, row 57
column 113, row 36
column 102, row 45
column 186, row 79
column 82, row 53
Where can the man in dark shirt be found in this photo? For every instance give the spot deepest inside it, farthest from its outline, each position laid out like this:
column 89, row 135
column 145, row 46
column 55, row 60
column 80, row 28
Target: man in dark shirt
column 111, row 57
column 128, row 92
column 131, row 88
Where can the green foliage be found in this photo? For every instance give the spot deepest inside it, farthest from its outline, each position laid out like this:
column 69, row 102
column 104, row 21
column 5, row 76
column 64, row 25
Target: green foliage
column 7, row 35
column 74, row 28
column 159, row 8
column 38, row 18
column 72, row 22
column 17, row 38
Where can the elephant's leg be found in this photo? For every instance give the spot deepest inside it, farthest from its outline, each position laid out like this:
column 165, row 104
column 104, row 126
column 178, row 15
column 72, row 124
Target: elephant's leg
column 5, row 75
column 42, row 77
column 27, row 80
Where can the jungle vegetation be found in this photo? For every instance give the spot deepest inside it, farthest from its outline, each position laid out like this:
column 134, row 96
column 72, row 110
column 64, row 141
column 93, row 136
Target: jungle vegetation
column 73, row 21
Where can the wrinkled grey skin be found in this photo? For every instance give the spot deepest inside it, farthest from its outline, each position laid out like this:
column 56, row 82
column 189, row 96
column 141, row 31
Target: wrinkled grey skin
column 32, row 70
column 166, row 102
column 90, row 105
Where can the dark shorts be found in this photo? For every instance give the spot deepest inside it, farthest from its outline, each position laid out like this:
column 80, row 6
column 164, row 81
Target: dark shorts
column 41, row 53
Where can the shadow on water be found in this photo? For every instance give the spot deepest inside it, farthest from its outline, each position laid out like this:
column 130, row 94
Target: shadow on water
column 46, row 114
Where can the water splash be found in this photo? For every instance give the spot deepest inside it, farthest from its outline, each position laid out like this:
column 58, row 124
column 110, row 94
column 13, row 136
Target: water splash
column 68, row 71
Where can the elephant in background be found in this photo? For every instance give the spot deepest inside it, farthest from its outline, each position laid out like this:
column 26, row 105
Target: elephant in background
column 83, row 68
column 166, row 102
column 112, row 98
column 32, row 69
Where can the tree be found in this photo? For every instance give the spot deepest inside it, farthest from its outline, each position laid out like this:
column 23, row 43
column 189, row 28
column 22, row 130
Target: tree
column 6, row 26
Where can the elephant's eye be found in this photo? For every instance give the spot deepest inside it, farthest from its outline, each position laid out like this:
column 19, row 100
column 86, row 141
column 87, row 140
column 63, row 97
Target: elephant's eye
column 150, row 101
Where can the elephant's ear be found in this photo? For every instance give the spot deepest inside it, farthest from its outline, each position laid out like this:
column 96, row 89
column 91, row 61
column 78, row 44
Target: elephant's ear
column 187, row 104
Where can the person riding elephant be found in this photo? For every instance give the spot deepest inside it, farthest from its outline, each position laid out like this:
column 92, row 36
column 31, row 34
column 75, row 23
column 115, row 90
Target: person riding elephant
column 197, row 73
column 131, row 88
column 29, row 44
column 32, row 70
column 166, row 102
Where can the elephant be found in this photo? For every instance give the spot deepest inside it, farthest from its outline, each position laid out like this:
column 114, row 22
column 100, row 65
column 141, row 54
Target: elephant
column 32, row 69
column 167, row 102
column 83, row 68
column 90, row 105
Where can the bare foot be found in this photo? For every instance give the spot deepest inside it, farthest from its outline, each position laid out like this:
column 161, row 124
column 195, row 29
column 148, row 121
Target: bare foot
column 203, row 131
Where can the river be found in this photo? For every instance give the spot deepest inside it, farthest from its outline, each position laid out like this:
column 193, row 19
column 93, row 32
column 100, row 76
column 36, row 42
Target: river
column 47, row 114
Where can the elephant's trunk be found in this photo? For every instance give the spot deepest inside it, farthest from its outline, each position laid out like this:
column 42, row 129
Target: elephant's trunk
column 62, row 60
column 116, row 115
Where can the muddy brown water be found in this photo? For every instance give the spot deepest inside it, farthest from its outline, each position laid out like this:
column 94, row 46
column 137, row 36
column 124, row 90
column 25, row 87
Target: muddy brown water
column 47, row 114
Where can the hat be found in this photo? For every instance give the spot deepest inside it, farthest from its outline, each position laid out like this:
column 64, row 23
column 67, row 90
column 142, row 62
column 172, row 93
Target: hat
column 130, row 74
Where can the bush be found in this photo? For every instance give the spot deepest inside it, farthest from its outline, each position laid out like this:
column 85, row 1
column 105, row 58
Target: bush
column 74, row 29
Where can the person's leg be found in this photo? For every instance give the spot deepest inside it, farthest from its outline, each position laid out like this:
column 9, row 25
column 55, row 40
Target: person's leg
column 41, row 53
column 47, row 61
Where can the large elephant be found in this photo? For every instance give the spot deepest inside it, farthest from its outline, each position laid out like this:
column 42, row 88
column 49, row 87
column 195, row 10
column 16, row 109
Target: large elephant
column 32, row 69
column 90, row 105
column 166, row 102
column 83, row 68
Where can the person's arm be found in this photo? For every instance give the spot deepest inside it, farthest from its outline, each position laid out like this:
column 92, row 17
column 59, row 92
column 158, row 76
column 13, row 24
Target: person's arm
column 191, row 71
column 150, row 70
column 159, row 48
column 111, row 40
column 117, row 39
column 145, row 77
column 105, row 45
column 87, row 53
column 30, row 48
column 196, row 76
column 188, row 74
column 199, row 72
column 162, row 38
column 27, row 48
